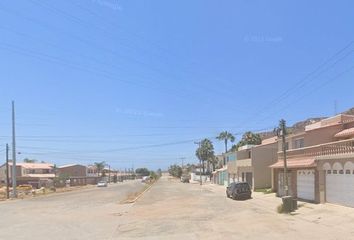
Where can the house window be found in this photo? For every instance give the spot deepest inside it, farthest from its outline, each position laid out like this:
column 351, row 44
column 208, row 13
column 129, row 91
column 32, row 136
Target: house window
column 287, row 145
column 347, row 171
column 243, row 177
column 329, row 171
column 299, row 143
column 334, row 171
column 341, row 171
column 249, row 154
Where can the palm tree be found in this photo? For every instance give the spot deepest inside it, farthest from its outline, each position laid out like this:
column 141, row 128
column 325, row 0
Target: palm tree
column 226, row 136
column 205, row 152
column 99, row 166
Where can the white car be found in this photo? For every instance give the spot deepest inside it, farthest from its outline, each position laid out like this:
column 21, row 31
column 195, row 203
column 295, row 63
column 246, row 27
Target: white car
column 102, row 184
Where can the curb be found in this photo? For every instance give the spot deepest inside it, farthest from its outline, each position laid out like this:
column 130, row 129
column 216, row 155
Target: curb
column 141, row 194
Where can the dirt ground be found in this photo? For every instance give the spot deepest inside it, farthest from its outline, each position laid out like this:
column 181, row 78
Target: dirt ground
column 174, row 210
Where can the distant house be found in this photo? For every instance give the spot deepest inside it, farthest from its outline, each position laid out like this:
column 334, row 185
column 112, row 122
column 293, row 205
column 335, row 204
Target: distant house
column 250, row 163
column 36, row 174
column 92, row 171
column 320, row 162
column 220, row 175
column 77, row 174
column 72, row 170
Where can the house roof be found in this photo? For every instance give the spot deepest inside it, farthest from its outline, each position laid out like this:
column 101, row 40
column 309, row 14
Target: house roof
column 331, row 121
column 71, row 165
column 304, row 162
column 345, row 133
column 34, row 165
column 269, row 140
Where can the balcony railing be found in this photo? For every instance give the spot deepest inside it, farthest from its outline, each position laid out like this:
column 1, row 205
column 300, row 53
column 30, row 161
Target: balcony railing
column 332, row 148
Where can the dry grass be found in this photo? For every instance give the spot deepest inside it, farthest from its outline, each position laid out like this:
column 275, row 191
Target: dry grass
column 131, row 197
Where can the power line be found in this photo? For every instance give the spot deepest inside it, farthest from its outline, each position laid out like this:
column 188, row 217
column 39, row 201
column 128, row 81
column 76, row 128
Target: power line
column 302, row 82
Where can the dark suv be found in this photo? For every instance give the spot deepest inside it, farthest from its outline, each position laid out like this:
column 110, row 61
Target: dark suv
column 238, row 190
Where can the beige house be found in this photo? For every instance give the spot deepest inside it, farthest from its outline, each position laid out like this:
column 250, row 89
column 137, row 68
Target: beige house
column 320, row 162
column 77, row 174
column 36, row 174
column 252, row 163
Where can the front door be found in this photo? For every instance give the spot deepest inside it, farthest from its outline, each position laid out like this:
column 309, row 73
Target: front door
column 281, row 183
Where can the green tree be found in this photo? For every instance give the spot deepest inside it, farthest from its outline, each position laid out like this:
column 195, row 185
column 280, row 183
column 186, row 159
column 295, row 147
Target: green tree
column 205, row 152
column 99, row 166
column 226, row 137
column 175, row 170
column 248, row 138
column 213, row 161
column 153, row 175
column 142, row 171
column 27, row 160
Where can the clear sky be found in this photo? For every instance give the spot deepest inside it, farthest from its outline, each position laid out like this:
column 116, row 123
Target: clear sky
column 137, row 82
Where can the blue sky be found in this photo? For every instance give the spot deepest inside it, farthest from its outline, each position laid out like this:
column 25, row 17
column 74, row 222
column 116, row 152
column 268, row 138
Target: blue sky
column 136, row 82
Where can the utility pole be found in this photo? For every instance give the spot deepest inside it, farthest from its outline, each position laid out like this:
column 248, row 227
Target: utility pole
column 7, row 172
column 182, row 159
column 13, row 152
column 283, row 135
column 109, row 173
column 200, row 163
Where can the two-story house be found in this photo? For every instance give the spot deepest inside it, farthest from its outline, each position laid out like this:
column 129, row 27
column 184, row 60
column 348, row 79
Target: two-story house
column 252, row 163
column 36, row 174
column 320, row 162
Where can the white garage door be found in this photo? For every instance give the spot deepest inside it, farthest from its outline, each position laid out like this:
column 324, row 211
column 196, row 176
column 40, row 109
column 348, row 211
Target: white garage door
column 306, row 184
column 340, row 185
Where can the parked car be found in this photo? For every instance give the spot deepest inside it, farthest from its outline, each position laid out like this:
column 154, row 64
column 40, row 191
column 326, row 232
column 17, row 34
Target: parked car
column 102, row 184
column 239, row 190
column 145, row 179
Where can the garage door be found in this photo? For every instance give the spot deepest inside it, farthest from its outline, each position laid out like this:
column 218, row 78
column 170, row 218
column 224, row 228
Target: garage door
column 306, row 184
column 340, row 184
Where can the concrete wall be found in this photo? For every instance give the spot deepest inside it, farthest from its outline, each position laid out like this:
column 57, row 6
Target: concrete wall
column 262, row 157
column 19, row 171
column 321, row 135
column 231, row 168
column 243, row 154
column 74, row 171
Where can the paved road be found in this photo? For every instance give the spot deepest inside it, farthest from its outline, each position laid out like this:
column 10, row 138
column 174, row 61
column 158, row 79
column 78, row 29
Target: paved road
column 83, row 214
column 169, row 210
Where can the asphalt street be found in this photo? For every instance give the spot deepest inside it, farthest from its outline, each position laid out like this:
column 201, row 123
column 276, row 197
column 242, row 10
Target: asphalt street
column 84, row 214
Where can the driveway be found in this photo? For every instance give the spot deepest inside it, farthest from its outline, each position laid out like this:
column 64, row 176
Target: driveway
column 173, row 210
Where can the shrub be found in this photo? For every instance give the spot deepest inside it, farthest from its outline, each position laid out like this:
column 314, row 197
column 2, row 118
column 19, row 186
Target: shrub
column 280, row 208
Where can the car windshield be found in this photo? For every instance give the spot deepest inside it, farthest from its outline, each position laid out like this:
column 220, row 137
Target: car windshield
column 176, row 119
